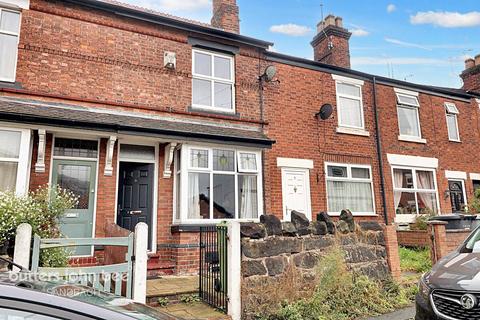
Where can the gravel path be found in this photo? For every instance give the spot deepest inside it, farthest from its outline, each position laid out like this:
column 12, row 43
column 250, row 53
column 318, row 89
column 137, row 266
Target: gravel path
column 403, row 314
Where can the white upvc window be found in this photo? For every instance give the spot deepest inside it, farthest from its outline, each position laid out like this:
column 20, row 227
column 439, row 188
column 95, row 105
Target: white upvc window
column 217, row 183
column 9, row 37
column 349, row 102
column 213, row 83
column 408, row 116
column 415, row 191
column 349, row 186
column 452, row 121
column 14, row 159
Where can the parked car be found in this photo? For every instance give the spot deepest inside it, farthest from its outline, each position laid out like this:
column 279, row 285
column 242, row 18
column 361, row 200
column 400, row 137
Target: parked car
column 53, row 300
column 451, row 290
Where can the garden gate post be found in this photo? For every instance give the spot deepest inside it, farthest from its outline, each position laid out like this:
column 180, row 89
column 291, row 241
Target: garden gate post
column 140, row 263
column 234, row 259
column 23, row 240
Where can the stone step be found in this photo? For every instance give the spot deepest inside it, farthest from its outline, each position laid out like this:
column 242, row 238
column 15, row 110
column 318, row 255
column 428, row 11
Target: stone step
column 171, row 289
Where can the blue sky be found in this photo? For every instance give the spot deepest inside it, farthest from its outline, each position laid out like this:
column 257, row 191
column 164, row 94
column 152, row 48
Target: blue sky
column 420, row 41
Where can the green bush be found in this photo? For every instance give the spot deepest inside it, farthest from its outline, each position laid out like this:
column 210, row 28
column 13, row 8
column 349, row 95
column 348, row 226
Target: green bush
column 42, row 210
column 474, row 206
column 343, row 295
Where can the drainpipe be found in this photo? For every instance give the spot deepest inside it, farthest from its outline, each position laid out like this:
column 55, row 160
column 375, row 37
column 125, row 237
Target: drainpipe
column 379, row 151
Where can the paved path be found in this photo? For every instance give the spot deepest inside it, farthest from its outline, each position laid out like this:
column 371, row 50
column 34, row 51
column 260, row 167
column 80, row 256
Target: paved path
column 403, row 314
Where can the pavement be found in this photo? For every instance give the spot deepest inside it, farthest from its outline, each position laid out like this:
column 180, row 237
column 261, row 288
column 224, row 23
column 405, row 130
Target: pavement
column 402, row 314
column 193, row 311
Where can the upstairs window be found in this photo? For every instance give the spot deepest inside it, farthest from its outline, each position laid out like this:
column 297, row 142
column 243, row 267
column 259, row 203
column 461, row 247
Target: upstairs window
column 408, row 118
column 213, row 85
column 9, row 34
column 349, row 102
column 452, row 123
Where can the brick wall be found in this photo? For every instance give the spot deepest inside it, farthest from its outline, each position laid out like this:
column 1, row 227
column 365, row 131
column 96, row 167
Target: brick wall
column 413, row 238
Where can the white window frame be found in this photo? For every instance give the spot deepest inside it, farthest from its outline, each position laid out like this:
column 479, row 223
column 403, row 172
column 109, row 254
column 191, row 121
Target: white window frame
column 214, row 79
column 414, row 190
column 17, row 34
column 352, row 82
column 451, row 111
column 23, row 160
column 411, row 106
column 349, row 178
column 186, row 168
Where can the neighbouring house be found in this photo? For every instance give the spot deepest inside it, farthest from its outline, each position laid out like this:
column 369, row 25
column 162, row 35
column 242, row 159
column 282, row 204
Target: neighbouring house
column 154, row 118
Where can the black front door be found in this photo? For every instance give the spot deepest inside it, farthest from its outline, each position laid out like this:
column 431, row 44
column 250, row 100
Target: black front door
column 135, row 196
column 456, row 196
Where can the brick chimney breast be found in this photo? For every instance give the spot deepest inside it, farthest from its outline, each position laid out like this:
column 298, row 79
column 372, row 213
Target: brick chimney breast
column 471, row 74
column 331, row 44
column 226, row 15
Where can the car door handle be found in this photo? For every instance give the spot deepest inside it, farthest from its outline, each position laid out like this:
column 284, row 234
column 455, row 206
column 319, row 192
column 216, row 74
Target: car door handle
column 135, row 212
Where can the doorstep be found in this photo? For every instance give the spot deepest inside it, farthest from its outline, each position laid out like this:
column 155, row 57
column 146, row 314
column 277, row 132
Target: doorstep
column 171, row 289
column 194, row 311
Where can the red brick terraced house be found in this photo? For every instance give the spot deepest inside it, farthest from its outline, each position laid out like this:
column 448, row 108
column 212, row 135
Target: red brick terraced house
column 154, row 118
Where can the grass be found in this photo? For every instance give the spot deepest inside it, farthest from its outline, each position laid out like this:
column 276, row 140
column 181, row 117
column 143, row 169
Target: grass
column 415, row 260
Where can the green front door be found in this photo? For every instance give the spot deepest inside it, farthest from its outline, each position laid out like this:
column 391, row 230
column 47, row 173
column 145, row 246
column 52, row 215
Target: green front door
column 79, row 177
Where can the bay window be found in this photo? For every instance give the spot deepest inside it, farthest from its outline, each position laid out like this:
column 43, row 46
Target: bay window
column 9, row 35
column 408, row 117
column 217, row 184
column 14, row 155
column 213, row 84
column 349, row 187
column 452, row 123
column 415, row 191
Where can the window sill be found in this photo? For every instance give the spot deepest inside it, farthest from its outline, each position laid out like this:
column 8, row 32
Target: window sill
column 412, row 139
column 231, row 113
column 178, row 227
column 456, row 141
column 354, row 131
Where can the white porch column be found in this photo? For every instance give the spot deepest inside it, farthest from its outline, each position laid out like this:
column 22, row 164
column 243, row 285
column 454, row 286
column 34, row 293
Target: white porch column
column 234, row 271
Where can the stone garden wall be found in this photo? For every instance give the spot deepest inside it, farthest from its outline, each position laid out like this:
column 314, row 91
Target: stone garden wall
column 283, row 256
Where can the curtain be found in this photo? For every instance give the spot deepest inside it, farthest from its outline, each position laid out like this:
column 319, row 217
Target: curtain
column 355, row 196
column 398, row 181
column 8, row 52
column 8, row 176
column 350, row 112
column 425, row 181
column 193, row 196
column 408, row 121
column 248, row 197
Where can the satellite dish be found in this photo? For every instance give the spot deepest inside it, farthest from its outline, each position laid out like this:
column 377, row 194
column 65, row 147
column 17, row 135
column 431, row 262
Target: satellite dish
column 269, row 73
column 325, row 111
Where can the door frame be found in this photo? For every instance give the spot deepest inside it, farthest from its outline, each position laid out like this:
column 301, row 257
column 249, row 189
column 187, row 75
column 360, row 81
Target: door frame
column 96, row 160
column 464, row 191
column 306, row 171
column 155, row 163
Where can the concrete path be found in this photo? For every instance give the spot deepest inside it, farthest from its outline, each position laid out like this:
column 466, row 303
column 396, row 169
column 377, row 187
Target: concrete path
column 403, row 314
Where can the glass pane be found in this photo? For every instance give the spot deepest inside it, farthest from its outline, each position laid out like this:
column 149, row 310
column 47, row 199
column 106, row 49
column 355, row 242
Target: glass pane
column 9, row 314
column 198, row 195
column 10, row 21
column 203, row 64
column 452, row 127
column 349, row 89
column 427, row 203
column 425, row 180
column 406, row 99
column 451, row 108
column 405, row 202
column 408, row 121
column 177, row 196
column 361, row 173
column 76, row 178
column 8, row 176
column 223, row 95
column 337, row 172
column 223, row 196
column 8, row 52
column 403, row 178
column 350, row 112
column 198, row 158
column 130, row 151
column 355, row 196
column 248, row 161
column 223, row 160
column 75, row 148
column 222, row 68
column 248, row 197
column 10, row 143
column 202, row 92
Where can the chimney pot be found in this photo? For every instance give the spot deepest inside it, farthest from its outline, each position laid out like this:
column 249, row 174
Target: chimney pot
column 339, row 22
column 477, row 60
column 330, row 20
column 469, row 63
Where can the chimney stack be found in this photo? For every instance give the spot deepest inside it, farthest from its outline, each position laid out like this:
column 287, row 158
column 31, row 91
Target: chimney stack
column 471, row 74
column 330, row 45
column 226, row 15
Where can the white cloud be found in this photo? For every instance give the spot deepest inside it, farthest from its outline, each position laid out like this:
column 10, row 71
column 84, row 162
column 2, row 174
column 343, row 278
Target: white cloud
column 447, row 19
column 291, row 29
column 406, row 44
column 370, row 61
column 359, row 32
column 391, row 8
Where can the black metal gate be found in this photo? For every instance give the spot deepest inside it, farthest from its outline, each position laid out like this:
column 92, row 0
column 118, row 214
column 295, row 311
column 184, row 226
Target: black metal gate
column 213, row 266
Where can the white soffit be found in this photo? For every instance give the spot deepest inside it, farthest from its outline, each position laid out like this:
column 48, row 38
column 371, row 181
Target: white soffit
column 455, row 175
column 295, row 163
column 412, row 161
column 15, row 4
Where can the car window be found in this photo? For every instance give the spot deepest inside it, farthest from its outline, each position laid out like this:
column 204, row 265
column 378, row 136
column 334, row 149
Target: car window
column 471, row 241
column 9, row 314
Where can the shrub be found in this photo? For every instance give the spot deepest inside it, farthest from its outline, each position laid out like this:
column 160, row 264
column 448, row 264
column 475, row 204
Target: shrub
column 416, row 260
column 474, row 206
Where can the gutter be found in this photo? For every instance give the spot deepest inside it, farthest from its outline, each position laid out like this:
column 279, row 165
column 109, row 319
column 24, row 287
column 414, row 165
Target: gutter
column 379, row 151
